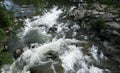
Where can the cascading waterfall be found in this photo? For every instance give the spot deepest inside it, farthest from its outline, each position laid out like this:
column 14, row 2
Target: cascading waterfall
column 56, row 48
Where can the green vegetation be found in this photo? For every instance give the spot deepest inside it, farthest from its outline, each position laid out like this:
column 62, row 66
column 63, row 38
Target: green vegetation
column 98, row 25
column 5, row 24
column 107, row 2
column 90, row 1
column 113, row 3
column 36, row 3
column 5, row 19
column 5, row 58
column 119, row 13
column 3, row 36
column 7, row 27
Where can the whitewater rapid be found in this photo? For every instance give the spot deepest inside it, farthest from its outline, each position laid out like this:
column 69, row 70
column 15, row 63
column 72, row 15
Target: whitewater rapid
column 72, row 59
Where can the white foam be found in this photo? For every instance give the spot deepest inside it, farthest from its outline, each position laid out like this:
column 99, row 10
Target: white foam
column 49, row 18
column 70, row 57
column 94, row 52
column 95, row 70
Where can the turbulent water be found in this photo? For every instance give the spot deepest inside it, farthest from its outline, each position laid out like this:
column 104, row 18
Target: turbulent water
column 52, row 46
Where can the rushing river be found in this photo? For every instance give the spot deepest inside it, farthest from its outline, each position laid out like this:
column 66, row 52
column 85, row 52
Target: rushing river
column 56, row 50
column 69, row 56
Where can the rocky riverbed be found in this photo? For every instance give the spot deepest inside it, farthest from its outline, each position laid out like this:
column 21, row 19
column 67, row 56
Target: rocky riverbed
column 102, row 24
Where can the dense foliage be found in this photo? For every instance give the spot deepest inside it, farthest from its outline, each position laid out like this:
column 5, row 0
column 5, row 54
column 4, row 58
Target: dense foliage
column 108, row 2
column 5, row 58
column 114, row 3
column 29, row 2
column 6, row 24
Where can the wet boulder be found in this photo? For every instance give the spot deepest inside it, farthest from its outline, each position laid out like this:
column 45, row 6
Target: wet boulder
column 78, row 13
column 107, row 17
column 114, row 25
column 17, row 53
column 52, row 55
column 52, row 29
column 99, row 7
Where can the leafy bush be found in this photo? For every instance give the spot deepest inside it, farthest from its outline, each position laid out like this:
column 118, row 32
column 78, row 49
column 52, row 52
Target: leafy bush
column 6, row 24
column 90, row 1
column 6, row 19
column 98, row 25
column 29, row 2
column 108, row 2
column 3, row 36
column 5, row 58
column 114, row 3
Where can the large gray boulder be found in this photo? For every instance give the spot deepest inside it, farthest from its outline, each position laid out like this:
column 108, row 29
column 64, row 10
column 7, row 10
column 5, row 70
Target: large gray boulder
column 78, row 13
column 107, row 17
column 113, row 24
